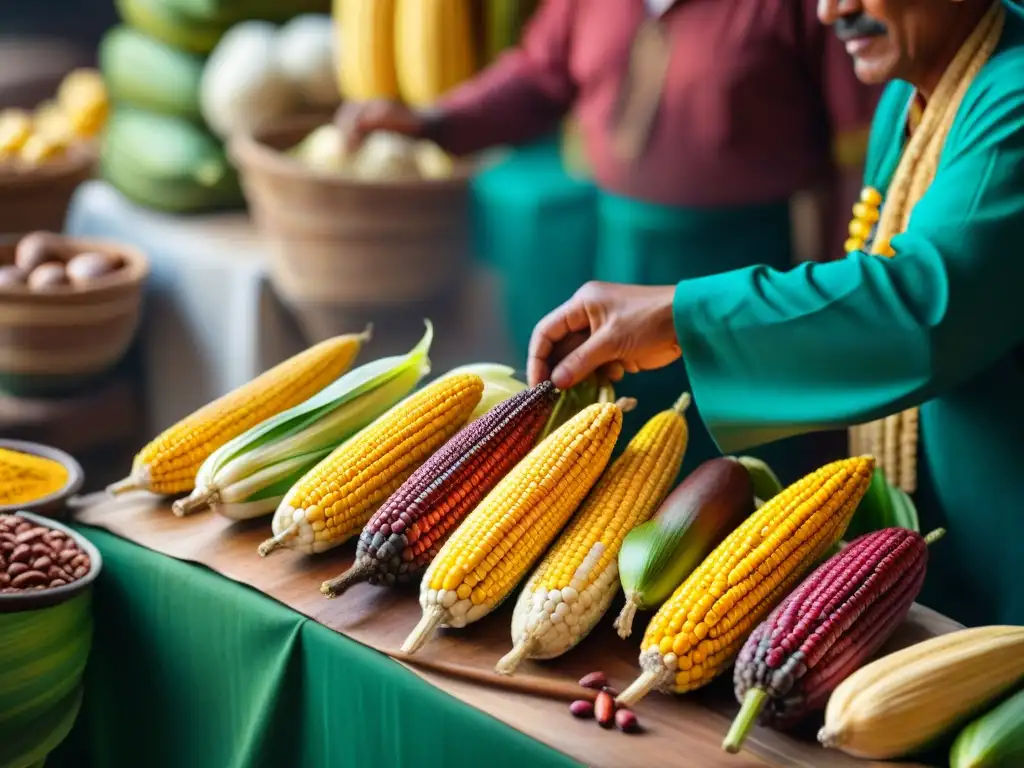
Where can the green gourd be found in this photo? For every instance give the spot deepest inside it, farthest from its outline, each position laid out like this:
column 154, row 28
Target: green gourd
column 143, row 72
column 656, row 557
column 167, row 163
column 994, row 740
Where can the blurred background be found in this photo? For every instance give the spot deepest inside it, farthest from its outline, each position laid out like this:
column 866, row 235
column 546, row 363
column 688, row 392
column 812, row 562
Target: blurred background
column 41, row 42
column 232, row 288
column 198, row 134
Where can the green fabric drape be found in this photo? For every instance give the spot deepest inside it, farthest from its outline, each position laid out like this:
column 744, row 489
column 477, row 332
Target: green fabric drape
column 191, row 669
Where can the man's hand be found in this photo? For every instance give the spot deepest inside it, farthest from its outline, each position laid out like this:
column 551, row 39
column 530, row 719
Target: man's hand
column 357, row 121
column 604, row 327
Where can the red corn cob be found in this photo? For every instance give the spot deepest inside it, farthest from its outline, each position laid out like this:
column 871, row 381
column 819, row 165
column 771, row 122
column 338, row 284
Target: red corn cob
column 405, row 534
column 827, row 628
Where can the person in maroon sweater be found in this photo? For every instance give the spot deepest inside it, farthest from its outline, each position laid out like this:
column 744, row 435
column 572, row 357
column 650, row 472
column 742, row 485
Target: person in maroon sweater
column 700, row 121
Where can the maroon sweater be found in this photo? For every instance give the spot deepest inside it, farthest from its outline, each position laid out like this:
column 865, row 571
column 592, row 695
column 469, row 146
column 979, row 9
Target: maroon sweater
column 760, row 99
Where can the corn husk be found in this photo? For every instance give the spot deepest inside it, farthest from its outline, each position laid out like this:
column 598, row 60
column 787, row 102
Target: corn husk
column 250, row 475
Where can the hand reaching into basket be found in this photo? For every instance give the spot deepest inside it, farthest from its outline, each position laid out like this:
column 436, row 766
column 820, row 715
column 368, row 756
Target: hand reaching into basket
column 357, row 121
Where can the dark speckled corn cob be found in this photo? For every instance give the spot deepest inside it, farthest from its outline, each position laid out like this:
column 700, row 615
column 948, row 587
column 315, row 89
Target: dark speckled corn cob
column 404, row 535
column 827, row 628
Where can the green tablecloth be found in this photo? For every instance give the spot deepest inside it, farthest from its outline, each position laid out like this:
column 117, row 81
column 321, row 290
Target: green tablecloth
column 191, row 670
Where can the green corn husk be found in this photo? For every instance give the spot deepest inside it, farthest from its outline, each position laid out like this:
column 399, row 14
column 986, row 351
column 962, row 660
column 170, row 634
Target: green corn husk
column 500, row 383
column 248, row 476
column 572, row 401
column 766, row 484
column 883, row 506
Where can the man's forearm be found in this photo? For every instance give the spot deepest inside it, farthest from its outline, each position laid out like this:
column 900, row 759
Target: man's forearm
column 505, row 104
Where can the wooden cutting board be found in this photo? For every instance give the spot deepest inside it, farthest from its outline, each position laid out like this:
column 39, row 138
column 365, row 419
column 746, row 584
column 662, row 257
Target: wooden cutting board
column 692, row 725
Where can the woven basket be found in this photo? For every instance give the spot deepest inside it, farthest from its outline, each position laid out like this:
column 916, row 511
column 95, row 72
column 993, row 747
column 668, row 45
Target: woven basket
column 38, row 198
column 59, row 342
column 345, row 243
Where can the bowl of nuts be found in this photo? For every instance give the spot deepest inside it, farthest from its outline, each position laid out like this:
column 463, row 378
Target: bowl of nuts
column 42, row 563
column 69, row 310
column 46, row 622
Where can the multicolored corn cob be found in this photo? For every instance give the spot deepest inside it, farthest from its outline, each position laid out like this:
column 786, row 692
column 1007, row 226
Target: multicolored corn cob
column 498, row 542
column 405, row 534
column 829, row 626
column 336, row 498
column 698, row 631
column 169, row 464
column 576, row 581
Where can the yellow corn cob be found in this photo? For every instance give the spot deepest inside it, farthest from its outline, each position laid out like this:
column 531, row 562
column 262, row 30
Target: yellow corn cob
column 334, row 500
column 367, row 60
column 39, row 148
column 573, row 586
column 433, row 48
column 169, row 463
column 504, row 536
column 698, row 631
column 50, row 120
column 900, row 703
column 15, row 130
column 83, row 97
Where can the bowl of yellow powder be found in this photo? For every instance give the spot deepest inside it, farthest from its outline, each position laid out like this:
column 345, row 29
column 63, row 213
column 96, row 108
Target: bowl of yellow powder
column 36, row 478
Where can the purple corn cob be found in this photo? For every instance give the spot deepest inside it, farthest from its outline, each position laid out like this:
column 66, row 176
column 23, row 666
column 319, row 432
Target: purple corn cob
column 405, row 534
column 828, row 627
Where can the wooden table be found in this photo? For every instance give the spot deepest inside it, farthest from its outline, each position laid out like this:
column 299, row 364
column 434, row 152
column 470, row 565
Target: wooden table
column 693, row 725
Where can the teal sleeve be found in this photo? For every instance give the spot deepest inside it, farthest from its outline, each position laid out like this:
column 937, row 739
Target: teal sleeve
column 773, row 354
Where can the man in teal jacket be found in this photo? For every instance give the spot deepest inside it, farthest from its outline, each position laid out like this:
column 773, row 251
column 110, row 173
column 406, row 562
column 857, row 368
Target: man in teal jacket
column 926, row 310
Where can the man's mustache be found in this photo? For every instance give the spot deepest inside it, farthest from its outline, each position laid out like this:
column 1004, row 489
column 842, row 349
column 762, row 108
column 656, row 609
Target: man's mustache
column 858, row 25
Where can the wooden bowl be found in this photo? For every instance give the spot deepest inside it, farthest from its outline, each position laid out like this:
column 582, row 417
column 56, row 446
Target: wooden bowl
column 60, row 341
column 35, row 600
column 344, row 242
column 52, row 505
column 37, row 198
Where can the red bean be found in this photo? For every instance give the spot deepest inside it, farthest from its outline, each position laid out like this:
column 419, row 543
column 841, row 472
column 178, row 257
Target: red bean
column 27, row 537
column 582, row 709
column 595, row 680
column 29, row 579
column 604, row 709
column 626, row 721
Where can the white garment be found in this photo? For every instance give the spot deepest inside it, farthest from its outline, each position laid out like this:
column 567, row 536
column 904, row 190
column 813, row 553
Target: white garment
column 659, row 7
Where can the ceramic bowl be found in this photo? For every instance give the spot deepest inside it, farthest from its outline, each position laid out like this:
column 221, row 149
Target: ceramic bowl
column 52, row 505
column 35, row 599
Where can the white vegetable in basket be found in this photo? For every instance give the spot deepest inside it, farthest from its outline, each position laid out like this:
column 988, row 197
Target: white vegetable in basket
column 243, row 86
column 322, row 149
column 386, row 157
column 307, row 57
column 383, row 156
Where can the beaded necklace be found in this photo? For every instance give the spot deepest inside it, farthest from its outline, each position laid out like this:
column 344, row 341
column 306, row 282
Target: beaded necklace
column 893, row 440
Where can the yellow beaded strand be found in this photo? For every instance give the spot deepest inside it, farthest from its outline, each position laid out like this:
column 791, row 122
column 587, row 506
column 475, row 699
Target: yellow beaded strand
column 866, row 213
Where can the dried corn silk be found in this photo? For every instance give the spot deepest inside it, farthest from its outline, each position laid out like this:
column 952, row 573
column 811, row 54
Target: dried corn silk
column 25, row 477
